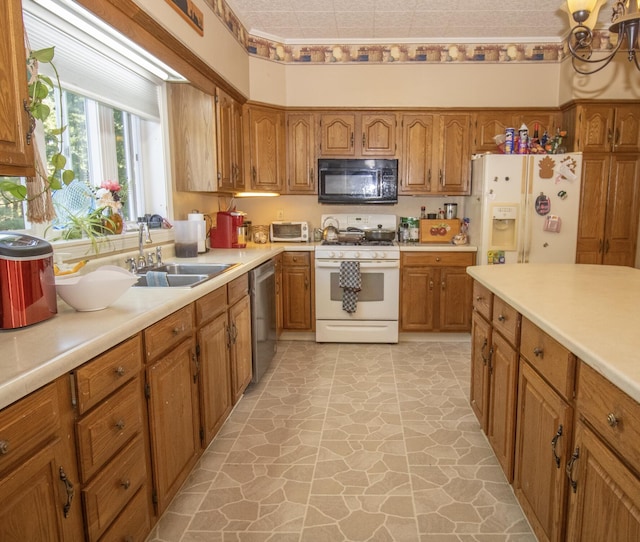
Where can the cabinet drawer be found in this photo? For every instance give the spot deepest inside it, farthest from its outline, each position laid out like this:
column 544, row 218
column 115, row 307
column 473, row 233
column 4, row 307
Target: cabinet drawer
column 238, row 288
column 168, row 332
column 296, row 258
column 28, row 424
column 552, row 360
column 107, row 428
column 211, row 305
column 133, row 524
column 611, row 412
column 482, row 300
column 106, row 373
column 437, row 259
column 506, row 320
column 114, row 487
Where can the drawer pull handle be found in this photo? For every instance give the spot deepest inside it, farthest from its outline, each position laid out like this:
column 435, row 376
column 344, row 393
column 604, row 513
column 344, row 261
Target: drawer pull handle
column 120, row 424
column 66, row 509
column 4, row 447
column 501, row 318
column 574, row 457
column 120, row 371
column 125, row 484
column 479, row 298
column 612, row 420
column 176, row 331
column 554, row 443
column 538, row 352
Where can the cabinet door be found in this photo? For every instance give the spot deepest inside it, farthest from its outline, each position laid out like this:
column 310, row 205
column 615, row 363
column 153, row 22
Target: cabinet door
column 337, row 134
column 240, row 330
column 279, row 295
column 215, row 376
column 603, row 500
column 595, row 128
column 296, row 297
column 173, row 419
column 488, row 124
column 454, row 155
column 593, row 197
column 480, row 355
column 503, row 378
column 193, row 141
column 229, row 139
column 543, row 442
column 621, row 225
column 301, row 154
column 378, row 134
column 417, row 154
column 456, row 287
column 16, row 151
column 266, row 149
column 418, row 293
column 626, row 135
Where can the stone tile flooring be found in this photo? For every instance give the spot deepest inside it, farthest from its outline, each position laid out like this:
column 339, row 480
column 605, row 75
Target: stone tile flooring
column 345, row 442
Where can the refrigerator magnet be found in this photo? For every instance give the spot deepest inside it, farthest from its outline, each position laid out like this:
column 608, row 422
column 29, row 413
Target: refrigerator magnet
column 562, row 194
column 543, row 204
column 552, row 223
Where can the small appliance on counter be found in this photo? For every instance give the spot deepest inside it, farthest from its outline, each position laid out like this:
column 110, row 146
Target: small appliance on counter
column 229, row 231
column 28, row 287
column 289, row 231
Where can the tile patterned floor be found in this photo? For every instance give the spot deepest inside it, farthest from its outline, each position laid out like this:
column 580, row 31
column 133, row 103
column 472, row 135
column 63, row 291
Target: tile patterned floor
column 343, row 442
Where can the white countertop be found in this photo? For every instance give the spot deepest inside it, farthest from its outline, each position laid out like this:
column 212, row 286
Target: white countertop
column 593, row 310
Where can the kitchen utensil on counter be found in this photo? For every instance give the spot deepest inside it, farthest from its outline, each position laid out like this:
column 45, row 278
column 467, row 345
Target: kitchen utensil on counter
column 329, row 231
column 28, row 293
column 97, row 290
column 450, row 211
column 378, row 234
column 186, row 238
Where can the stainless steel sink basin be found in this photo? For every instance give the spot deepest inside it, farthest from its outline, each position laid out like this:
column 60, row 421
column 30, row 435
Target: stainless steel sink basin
column 176, row 281
column 186, row 275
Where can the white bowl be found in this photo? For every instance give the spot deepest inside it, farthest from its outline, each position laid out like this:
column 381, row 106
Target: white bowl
column 97, row 290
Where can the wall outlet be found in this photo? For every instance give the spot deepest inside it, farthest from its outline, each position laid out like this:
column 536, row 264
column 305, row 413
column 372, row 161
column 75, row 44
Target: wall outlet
column 280, row 214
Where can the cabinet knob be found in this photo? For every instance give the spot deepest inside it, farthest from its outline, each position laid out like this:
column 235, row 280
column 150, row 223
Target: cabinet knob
column 120, row 424
column 438, row 258
column 125, row 484
column 538, row 352
column 479, row 298
column 501, row 318
column 120, row 371
column 4, row 447
column 175, row 331
column 612, row 420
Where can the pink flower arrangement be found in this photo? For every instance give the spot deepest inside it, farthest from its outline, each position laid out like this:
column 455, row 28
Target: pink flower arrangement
column 108, row 195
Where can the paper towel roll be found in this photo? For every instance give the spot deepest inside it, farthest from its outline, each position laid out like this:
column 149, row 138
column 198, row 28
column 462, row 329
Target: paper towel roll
column 202, row 230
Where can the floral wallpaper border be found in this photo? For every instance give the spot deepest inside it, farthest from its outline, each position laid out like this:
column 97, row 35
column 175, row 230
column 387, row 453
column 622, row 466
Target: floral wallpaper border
column 390, row 53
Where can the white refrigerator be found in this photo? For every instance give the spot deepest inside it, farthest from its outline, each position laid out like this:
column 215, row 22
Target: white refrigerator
column 524, row 208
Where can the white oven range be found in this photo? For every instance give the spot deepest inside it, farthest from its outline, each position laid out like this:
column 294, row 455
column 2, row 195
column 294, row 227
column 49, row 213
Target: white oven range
column 375, row 319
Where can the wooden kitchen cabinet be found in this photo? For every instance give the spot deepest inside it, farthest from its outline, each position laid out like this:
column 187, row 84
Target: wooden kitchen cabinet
column 301, row 154
column 213, row 344
column 277, row 262
column 544, row 431
column 229, row 142
column 436, row 154
column 480, row 354
column 358, row 134
column 435, row 294
column 16, row 150
column 239, row 335
column 265, row 148
column 39, row 494
column 192, row 137
column 297, row 291
column 606, row 127
column 172, row 398
column 609, row 209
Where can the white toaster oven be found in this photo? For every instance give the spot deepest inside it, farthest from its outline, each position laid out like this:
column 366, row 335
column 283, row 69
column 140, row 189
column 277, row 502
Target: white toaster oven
column 283, row 232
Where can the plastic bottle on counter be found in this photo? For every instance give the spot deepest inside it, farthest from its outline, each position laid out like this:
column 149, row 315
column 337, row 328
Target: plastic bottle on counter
column 440, row 214
column 404, row 232
column 423, row 212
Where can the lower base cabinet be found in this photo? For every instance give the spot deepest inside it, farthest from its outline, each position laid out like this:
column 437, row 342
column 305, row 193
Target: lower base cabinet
column 239, row 336
column 297, row 291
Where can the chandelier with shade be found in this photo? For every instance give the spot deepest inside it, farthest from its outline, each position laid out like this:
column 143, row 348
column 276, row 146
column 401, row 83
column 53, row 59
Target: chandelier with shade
column 625, row 22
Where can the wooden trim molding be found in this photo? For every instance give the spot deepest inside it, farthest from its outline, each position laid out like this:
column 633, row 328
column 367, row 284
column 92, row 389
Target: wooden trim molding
column 135, row 23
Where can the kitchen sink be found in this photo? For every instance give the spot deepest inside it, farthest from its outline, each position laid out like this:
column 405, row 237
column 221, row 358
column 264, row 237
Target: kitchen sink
column 186, row 275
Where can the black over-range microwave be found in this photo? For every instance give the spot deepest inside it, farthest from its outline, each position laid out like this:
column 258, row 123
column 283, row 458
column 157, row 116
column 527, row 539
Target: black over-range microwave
column 357, row 181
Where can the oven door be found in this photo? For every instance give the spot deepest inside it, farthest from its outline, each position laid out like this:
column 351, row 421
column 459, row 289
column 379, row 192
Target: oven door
column 377, row 300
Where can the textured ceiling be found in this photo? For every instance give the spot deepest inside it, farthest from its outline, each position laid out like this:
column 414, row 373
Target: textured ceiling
column 427, row 21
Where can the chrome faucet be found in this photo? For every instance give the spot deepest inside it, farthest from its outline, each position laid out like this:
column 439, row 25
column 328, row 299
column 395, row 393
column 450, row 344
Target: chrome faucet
column 144, row 237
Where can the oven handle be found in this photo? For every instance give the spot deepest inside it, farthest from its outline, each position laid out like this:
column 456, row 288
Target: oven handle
column 364, row 264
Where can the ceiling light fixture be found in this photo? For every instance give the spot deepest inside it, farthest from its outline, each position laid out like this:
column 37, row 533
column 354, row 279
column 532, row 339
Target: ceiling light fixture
column 625, row 21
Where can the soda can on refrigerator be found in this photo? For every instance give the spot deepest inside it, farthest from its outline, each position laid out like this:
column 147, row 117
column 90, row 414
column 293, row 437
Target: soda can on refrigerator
column 509, row 143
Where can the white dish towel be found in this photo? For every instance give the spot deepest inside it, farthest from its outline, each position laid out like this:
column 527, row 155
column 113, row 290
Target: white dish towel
column 350, row 281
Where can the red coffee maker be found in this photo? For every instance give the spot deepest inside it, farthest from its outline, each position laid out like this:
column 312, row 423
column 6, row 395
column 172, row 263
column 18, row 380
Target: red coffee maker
column 225, row 234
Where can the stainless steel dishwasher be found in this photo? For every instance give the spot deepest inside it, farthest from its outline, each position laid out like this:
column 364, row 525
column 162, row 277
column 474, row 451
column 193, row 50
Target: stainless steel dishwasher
column 262, row 282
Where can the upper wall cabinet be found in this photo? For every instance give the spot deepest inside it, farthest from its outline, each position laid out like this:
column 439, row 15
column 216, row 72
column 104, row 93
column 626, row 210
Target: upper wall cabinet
column 264, row 151
column 229, row 137
column 607, row 128
column 16, row 150
column 436, row 154
column 192, row 133
column 355, row 134
column 488, row 124
column 301, row 154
